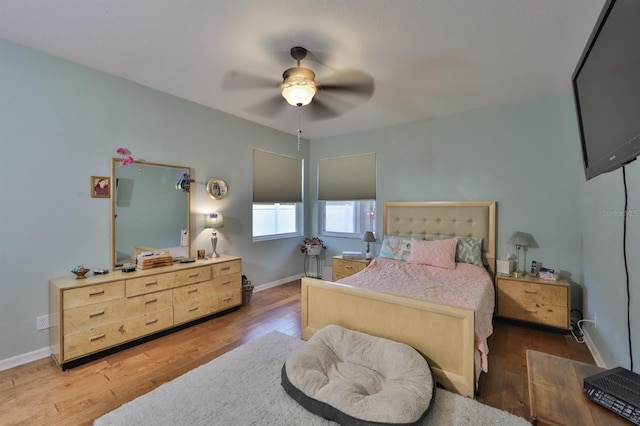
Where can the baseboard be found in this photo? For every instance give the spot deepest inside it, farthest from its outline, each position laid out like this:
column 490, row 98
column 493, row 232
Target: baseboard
column 17, row 360
column 272, row 284
column 592, row 348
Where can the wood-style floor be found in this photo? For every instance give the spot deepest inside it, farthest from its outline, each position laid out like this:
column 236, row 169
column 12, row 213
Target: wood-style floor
column 39, row 393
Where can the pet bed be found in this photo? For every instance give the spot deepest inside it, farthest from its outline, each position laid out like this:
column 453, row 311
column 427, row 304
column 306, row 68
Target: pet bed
column 354, row 378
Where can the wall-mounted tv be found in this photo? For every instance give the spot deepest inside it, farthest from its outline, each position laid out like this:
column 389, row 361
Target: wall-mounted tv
column 606, row 88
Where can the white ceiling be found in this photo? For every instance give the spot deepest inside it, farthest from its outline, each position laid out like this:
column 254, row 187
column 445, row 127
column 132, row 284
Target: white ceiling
column 428, row 58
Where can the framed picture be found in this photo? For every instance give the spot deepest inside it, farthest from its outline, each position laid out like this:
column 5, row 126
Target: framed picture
column 217, row 188
column 100, row 186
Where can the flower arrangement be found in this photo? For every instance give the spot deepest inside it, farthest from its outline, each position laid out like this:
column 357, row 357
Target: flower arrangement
column 126, row 157
column 310, row 242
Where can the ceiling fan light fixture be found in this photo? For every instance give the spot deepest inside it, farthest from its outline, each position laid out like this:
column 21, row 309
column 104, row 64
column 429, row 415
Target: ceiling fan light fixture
column 299, row 86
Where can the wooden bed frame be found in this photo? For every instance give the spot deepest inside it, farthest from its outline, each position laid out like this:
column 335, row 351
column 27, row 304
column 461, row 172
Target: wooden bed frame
column 443, row 333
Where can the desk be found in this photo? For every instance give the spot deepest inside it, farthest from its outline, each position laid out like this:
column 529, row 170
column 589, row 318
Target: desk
column 556, row 396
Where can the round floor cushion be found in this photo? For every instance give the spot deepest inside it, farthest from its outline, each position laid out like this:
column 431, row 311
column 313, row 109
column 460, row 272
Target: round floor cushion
column 354, row 378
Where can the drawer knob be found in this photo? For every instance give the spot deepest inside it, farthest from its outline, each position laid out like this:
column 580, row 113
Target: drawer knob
column 226, row 282
column 348, row 267
column 193, row 290
column 148, row 302
column 226, row 268
column 531, row 291
column 195, row 308
column 96, row 293
column 226, row 299
column 194, row 275
column 153, row 321
column 96, row 314
column 98, row 337
column 151, row 283
column 533, row 311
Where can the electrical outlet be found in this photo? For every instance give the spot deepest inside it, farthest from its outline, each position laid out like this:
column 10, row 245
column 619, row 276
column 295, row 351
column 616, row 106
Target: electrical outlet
column 42, row 322
column 595, row 322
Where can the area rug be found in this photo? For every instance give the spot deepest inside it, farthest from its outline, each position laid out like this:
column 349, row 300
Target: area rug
column 242, row 387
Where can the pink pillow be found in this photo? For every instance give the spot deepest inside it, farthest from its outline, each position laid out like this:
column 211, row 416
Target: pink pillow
column 440, row 253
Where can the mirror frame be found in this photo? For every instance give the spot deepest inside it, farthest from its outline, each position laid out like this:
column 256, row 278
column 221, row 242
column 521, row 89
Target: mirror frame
column 114, row 162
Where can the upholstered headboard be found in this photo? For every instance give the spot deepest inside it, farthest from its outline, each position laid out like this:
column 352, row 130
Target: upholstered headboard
column 445, row 218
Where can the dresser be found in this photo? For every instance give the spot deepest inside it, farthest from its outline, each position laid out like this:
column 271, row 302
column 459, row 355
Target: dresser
column 533, row 300
column 342, row 268
column 104, row 311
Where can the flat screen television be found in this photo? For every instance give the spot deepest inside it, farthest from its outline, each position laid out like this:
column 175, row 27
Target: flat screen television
column 606, row 88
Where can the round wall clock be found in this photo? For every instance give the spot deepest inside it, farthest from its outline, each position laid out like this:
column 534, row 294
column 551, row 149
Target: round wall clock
column 217, row 188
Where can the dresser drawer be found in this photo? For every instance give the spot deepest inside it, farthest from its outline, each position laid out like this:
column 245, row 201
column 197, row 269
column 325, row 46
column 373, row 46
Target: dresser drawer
column 149, row 302
column 190, row 293
column 93, row 315
column 227, row 282
column 227, row 268
column 143, row 285
column 554, row 316
column 525, row 292
column 194, row 309
column 80, row 296
column 228, row 299
column 93, row 340
column 149, row 323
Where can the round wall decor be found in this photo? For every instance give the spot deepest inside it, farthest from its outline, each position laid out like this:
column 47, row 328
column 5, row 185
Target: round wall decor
column 217, row 188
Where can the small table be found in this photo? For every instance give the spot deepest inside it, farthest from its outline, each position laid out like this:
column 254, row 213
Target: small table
column 310, row 259
column 556, row 396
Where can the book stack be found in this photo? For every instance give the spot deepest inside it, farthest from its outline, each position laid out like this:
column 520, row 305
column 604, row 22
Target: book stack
column 352, row 255
column 154, row 261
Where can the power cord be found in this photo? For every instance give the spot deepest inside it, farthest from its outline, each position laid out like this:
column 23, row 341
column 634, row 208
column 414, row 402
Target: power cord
column 580, row 339
column 626, row 267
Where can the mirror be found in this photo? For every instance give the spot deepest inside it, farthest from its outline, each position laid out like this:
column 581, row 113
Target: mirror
column 148, row 213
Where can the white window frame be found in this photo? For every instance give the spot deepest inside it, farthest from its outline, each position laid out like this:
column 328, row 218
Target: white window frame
column 278, row 236
column 364, row 220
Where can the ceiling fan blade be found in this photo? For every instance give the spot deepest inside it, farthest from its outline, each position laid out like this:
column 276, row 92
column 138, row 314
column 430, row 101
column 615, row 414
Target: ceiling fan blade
column 237, row 80
column 269, row 108
column 320, row 110
column 351, row 82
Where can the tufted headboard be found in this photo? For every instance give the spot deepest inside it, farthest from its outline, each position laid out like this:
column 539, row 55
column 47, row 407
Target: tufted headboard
column 445, row 218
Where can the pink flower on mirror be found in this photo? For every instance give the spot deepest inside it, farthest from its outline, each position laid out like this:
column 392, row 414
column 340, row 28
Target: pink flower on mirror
column 126, row 157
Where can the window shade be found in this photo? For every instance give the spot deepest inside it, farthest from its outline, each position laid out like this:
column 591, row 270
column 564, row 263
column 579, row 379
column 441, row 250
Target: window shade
column 276, row 178
column 351, row 177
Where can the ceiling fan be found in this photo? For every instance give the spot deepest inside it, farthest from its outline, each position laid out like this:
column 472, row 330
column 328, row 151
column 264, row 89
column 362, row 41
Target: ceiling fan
column 299, row 88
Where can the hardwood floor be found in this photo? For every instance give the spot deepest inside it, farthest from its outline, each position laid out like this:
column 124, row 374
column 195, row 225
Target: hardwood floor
column 39, row 393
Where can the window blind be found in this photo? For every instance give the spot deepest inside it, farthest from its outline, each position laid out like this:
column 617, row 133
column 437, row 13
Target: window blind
column 352, row 177
column 276, row 178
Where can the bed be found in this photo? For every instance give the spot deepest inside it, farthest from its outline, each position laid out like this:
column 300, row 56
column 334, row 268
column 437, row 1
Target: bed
column 443, row 332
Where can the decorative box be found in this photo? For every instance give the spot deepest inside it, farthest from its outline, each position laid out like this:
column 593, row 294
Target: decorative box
column 504, row 267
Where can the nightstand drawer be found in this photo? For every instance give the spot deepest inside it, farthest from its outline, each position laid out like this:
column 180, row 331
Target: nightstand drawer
column 554, row 316
column 527, row 292
column 342, row 268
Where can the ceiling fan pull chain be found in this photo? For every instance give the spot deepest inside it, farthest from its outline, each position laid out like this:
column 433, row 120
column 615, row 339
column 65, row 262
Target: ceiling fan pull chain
column 299, row 131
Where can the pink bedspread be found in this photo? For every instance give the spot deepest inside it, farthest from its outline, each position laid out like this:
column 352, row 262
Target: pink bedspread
column 467, row 285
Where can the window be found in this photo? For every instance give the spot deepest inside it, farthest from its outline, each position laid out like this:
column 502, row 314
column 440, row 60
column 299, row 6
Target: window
column 347, row 218
column 276, row 220
column 346, row 193
column 277, row 196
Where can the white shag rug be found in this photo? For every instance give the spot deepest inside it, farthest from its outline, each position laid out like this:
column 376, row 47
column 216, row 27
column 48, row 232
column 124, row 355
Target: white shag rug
column 242, row 387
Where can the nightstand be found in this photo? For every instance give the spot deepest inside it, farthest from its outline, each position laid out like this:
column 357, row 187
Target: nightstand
column 342, row 268
column 533, row 300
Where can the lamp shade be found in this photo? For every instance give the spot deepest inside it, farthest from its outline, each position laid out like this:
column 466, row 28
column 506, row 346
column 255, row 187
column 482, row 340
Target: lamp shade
column 519, row 239
column 299, row 86
column 369, row 237
column 213, row 220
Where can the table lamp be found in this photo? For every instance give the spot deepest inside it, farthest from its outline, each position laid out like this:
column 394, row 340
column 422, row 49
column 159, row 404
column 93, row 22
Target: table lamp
column 519, row 239
column 214, row 221
column 369, row 238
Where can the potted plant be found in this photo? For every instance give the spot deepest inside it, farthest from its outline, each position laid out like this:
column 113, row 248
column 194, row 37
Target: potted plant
column 312, row 246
